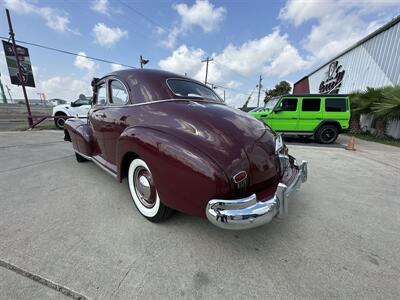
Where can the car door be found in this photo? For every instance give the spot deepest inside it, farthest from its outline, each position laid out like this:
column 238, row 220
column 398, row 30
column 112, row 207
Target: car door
column 115, row 120
column 285, row 116
column 97, row 116
column 310, row 114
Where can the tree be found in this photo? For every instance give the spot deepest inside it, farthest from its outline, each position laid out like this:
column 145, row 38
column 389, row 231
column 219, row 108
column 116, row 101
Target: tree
column 387, row 109
column 361, row 104
column 383, row 103
column 282, row 88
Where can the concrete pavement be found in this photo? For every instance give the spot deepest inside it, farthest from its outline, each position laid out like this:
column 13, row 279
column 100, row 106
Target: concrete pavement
column 74, row 225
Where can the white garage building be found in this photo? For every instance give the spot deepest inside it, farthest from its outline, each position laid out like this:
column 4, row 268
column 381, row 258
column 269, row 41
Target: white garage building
column 372, row 62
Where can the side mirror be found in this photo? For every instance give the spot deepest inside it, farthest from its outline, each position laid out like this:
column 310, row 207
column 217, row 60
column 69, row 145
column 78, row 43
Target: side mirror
column 278, row 109
column 73, row 104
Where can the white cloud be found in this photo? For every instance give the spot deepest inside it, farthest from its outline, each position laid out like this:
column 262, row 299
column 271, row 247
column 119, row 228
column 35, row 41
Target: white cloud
column 265, row 54
column 65, row 87
column 56, row 19
column 271, row 55
column 107, row 36
column 340, row 23
column 84, row 63
column 116, row 67
column 201, row 14
column 101, row 6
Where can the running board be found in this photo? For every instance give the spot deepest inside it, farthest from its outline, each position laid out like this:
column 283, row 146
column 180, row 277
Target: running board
column 99, row 164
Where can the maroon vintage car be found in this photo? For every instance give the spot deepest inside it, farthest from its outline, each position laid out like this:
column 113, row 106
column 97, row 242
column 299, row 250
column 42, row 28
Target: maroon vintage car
column 182, row 148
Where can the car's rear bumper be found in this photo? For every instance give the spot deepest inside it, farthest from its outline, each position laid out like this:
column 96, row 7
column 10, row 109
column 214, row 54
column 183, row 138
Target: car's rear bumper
column 249, row 212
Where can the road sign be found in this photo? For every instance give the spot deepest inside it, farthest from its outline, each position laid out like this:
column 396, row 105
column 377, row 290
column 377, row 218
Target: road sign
column 25, row 73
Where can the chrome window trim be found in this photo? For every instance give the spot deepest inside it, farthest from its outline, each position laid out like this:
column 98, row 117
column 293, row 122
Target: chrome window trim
column 110, row 92
column 168, row 100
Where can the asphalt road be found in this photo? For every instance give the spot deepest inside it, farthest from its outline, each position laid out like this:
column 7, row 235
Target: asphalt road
column 75, row 227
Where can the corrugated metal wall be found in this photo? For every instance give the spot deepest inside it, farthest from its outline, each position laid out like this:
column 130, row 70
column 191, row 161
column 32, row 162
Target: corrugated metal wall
column 375, row 63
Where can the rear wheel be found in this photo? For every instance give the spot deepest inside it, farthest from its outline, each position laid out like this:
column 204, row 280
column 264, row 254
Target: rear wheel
column 59, row 122
column 144, row 192
column 327, row 134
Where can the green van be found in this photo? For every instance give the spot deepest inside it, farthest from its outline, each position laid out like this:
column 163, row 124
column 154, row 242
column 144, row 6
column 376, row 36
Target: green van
column 321, row 116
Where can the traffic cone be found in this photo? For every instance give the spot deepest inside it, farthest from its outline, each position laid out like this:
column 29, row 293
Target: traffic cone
column 351, row 143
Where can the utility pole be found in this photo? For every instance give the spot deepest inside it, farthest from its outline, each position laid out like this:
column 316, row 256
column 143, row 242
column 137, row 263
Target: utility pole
column 224, row 95
column 3, row 95
column 28, row 108
column 9, row 93
column 143, row 61
column 207, row 60
column 259, row 91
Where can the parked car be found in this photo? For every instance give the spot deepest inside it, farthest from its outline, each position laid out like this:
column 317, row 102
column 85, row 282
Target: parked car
column 78, row 108
column 180, row 147
column 321, row 116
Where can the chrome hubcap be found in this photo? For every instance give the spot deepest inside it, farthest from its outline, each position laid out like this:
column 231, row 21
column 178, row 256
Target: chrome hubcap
column 144, row 187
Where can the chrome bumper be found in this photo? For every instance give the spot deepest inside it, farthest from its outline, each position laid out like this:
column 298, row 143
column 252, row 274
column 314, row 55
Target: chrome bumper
column 247, row 212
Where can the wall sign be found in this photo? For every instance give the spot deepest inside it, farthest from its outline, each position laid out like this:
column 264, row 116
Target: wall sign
column 334, row 78
column 25, row 73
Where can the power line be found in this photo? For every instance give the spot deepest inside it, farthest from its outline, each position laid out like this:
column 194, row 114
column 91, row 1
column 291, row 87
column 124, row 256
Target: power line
column 69, row 52
column 142, row 15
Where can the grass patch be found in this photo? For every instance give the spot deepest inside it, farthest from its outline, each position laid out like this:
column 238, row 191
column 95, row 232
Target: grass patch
column 369, row 137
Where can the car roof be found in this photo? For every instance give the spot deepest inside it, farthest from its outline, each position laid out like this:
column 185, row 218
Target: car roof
column 149, row 73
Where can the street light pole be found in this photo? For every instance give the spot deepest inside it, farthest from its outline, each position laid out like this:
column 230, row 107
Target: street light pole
column 259, row 91
column 143, row 61
column 207, row 60
column 28, row 108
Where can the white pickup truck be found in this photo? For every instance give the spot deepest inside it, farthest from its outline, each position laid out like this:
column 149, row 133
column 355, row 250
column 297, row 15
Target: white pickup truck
column 78, row 108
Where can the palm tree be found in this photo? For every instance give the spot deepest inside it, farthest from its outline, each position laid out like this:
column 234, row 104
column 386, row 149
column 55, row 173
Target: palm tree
column 362, row 103
column 388, row 109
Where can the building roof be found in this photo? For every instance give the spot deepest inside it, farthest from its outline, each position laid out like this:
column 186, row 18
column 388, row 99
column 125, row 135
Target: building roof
column 385, row 27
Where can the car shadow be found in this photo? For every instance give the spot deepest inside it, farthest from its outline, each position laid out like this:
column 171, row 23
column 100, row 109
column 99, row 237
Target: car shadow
column 295, row 140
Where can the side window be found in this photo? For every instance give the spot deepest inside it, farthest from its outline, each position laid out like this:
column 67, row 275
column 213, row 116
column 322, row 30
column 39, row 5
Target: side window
column 119, row 94
column 311, row 104
column 335, row 105
column 101, row 95
column 289, row 104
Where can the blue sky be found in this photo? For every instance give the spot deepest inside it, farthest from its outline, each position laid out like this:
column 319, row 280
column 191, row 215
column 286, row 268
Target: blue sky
column 280, row 40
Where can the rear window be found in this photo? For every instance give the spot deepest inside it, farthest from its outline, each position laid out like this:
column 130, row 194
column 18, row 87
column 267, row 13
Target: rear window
column 191, row 89
column 311, row 104
column 335, row 105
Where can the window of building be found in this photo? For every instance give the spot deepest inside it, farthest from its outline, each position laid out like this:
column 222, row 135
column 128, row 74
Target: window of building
column 311, row 104
column 335, row 104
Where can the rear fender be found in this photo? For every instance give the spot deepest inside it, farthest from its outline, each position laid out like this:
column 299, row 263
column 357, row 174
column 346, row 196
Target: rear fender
column 81, row 135
column 186, row 179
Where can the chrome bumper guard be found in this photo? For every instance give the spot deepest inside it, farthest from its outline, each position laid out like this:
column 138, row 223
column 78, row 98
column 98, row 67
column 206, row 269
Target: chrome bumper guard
column 247, row 212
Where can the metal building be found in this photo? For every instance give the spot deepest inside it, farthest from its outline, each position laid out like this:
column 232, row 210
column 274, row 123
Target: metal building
column 372, row 62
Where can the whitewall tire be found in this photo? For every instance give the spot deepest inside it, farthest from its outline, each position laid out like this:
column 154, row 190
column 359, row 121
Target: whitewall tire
column 144, row 192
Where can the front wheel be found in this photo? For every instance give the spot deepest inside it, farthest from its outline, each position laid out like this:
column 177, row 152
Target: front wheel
column 80, row 158
column 327, row 134
column 59, row 122
column 144, row 192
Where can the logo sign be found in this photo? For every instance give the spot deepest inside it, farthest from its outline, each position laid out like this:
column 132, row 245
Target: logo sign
column 24, row 74
column 334, row 78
